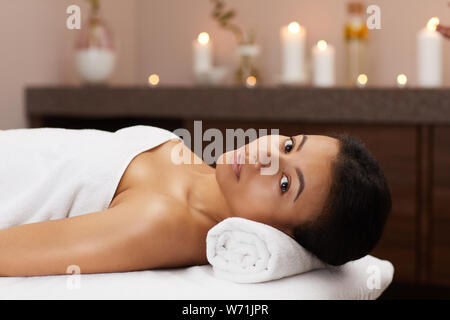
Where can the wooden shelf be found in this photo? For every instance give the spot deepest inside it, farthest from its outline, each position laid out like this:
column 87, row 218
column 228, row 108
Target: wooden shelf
column 282, row 104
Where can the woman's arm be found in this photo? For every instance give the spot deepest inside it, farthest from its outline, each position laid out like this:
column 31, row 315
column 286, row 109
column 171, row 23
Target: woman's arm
column 130, row 236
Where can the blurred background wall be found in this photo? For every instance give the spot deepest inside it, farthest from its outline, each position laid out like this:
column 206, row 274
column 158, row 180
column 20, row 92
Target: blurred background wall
column 37, row 48
column 155, row 37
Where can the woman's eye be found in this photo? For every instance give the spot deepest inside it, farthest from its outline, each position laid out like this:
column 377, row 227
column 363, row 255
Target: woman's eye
column 284, row 184
column 288, row 145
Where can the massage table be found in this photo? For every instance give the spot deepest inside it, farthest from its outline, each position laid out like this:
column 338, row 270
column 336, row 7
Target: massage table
column 365, row 278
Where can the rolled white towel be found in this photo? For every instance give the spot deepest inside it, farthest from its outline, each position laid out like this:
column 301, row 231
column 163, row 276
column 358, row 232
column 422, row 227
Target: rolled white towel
column 246, row 251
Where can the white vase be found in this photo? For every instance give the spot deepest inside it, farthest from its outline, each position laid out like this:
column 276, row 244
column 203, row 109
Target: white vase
column 95, row 65
column 95, row 55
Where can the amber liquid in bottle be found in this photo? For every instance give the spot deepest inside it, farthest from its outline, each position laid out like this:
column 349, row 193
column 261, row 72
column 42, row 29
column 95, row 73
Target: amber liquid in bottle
column 356, row 41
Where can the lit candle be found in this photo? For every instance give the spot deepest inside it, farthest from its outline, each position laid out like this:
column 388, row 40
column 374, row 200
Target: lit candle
column 402, row 80
column 361, row 81
column 202, row 53
column 293, row 54
column 250, row 82
column 153, row 79
column 429, row 55
column 323, row 64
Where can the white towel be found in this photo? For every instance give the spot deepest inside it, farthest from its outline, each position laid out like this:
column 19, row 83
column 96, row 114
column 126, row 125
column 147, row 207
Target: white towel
column 246, row 251
column 54, row 173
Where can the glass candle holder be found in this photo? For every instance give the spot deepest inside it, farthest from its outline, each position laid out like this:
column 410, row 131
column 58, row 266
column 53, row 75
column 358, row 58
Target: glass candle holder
column 247, row 72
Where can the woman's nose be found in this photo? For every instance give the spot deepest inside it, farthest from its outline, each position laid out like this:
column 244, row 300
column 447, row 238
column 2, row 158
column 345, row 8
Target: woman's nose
column 264, row 159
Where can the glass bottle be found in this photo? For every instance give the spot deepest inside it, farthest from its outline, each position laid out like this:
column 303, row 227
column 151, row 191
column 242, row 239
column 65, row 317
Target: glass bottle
column 356, row 40
column 247, row 73
column 95, row 48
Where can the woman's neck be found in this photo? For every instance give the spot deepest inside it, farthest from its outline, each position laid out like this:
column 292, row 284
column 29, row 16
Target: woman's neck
column 206, row 198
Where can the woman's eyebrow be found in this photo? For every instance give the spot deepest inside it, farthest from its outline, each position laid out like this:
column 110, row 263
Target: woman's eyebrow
column 301, row 180
column 305, row 137
column 301, row 183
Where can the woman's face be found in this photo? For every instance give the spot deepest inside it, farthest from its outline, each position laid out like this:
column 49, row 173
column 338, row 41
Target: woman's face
column 283, row 182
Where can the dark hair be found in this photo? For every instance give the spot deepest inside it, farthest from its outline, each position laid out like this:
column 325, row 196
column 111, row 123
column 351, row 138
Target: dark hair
column 355, row 211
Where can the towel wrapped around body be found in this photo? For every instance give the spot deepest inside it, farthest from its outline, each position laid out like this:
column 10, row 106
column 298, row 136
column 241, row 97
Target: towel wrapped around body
column 247, row 251
column 55, row 173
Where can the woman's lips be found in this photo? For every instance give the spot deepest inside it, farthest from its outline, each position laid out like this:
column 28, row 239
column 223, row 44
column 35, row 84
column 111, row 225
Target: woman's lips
column 237, row 165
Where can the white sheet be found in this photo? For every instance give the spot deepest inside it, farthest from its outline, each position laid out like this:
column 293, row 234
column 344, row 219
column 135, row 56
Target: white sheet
column 349, row 281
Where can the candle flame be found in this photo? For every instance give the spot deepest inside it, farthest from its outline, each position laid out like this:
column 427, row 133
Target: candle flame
column 294, row 27
column 322, row 45
column 362, row 80
column 433, row 23
column 402, row 79
column 153, row 79
column 251, row 81
column 203, row 38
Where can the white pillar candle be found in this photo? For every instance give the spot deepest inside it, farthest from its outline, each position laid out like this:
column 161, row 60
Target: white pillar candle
column 429, row 55
column 202, row 52
column 293, row 54
column 323, row 65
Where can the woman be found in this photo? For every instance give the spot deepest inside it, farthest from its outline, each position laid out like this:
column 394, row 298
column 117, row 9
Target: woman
column 445, row 31
column 113, row 202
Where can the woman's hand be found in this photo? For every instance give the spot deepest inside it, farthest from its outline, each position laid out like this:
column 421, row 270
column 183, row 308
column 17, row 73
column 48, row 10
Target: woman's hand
column 445, row 31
